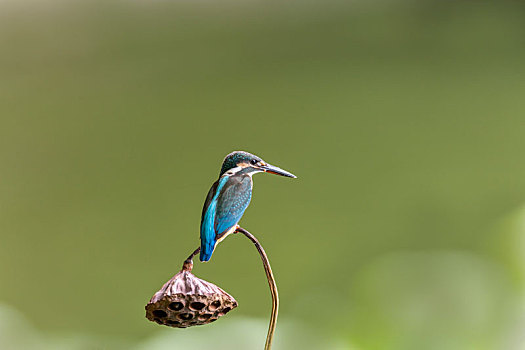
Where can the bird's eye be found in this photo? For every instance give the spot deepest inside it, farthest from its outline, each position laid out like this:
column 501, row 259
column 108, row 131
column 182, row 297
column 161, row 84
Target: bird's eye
column 253, row 161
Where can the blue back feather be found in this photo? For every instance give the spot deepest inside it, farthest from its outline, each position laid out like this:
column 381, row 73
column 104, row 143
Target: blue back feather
column 208, row 236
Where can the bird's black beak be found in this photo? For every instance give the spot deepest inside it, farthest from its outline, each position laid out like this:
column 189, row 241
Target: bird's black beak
column 277, row 171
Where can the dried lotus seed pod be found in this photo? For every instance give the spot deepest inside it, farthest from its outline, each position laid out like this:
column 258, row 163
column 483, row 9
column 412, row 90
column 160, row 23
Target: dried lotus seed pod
column 186, row 301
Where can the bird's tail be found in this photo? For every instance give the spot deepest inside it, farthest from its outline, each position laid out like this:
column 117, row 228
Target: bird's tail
column 206, row 252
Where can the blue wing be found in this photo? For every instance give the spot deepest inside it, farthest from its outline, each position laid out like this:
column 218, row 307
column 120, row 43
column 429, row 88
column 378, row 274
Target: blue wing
column 226, row 202
column 232, row 202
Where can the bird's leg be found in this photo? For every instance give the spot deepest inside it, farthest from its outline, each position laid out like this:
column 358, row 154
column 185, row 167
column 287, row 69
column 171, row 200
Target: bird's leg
column 271, row 283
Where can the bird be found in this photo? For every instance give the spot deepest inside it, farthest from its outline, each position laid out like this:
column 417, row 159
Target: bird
column 229, row 197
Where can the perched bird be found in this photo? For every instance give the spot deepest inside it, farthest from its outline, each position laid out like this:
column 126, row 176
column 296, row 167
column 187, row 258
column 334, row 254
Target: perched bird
column 229, row 197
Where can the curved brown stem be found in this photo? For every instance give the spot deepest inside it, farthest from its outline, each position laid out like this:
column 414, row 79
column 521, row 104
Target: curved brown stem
column 188, row 266
column 271, row 283
column 188, row 263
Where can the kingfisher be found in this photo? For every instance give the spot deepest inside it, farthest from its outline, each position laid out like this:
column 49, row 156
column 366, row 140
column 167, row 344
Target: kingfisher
column 229, row 197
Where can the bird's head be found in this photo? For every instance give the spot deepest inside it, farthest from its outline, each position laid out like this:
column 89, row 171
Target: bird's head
column 250, row 164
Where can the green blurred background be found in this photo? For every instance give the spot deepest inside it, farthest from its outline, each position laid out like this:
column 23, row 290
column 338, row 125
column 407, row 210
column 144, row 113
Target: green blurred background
column 404, row 121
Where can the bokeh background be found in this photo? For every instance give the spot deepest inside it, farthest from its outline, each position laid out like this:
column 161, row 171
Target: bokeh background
column 404, row 121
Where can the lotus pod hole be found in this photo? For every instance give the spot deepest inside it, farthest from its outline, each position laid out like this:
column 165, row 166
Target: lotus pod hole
column 196, row 305
column 186, row 301
column 159, row 313
column 176, row 306
column 215, row 305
